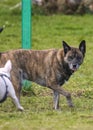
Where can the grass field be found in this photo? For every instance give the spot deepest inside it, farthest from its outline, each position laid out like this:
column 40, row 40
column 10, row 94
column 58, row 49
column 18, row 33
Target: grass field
column 48, row 32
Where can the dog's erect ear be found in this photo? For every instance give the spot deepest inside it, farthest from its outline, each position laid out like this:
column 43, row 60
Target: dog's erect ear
column 8, row 66
column 66, row 47
column 82, row 47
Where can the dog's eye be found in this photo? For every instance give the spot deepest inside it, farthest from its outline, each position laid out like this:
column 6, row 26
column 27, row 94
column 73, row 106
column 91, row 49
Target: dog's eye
column 70, row 58
column 78, row 58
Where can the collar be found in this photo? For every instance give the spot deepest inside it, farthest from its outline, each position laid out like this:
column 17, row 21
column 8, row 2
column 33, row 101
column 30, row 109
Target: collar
column 5, row 75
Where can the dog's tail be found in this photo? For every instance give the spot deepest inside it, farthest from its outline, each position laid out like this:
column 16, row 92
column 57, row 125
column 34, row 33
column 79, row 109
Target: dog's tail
column 1, row 29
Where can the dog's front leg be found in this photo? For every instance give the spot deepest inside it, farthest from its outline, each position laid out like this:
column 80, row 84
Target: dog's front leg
column 56, row 100
column 60, row 90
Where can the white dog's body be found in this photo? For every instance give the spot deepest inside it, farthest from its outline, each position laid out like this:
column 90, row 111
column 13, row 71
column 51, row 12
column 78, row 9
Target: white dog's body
column 6, row 87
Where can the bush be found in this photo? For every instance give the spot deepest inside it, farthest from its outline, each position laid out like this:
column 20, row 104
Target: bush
column 37, row 10
column 27, row 88
column 63, row 7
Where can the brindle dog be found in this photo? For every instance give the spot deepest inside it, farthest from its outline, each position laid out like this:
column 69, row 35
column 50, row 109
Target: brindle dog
column 50, row 68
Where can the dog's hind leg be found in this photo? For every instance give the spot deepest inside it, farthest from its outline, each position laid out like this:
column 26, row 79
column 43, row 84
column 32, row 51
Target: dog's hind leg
column 16, row 102
column 12, row 94
column 17, row 82
column 56, row 100
column 17, row 88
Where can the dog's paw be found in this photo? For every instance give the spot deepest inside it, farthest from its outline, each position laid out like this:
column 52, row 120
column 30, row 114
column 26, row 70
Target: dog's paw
column 21, row 108
column 71, row 105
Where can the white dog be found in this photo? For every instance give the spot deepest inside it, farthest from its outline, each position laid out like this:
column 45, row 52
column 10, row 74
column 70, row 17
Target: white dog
column 6, row 86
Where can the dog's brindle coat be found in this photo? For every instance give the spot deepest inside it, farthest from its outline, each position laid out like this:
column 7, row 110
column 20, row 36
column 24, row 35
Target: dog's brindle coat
column 50, row 68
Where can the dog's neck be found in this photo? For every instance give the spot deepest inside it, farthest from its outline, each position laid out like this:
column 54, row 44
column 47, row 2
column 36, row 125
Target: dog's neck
column 67, row 71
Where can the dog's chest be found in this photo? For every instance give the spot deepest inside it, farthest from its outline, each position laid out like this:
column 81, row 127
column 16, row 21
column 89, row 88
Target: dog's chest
column 62, row 78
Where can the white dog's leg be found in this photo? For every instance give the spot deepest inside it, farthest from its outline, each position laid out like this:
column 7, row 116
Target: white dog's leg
column 12, row 94
column 16, row 102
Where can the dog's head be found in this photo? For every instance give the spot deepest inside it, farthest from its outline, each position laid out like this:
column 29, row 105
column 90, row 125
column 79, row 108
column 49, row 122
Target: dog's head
column 7, row 68
column 74, row 56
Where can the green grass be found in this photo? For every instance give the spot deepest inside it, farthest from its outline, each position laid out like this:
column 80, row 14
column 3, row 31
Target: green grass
column 48, row 32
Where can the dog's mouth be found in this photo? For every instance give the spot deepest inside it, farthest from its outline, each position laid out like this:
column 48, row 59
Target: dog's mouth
column 74, row 67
